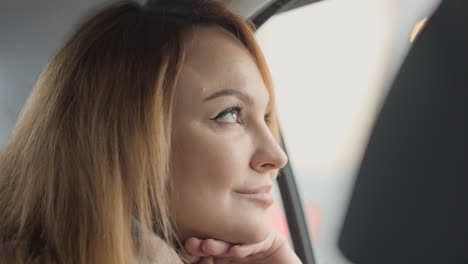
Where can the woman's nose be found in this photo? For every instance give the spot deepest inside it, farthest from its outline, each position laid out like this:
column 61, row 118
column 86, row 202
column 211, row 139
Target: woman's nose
column 268, row 155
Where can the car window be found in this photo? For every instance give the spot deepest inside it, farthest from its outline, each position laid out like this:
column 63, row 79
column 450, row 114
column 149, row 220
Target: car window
column 331, row 63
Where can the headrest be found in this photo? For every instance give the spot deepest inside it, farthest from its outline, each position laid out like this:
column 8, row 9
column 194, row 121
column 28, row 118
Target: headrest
column 410, row 199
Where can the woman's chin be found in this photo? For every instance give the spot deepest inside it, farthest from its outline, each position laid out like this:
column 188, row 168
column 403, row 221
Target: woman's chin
column 249, row 233
column 256, row 236
column 236, row 230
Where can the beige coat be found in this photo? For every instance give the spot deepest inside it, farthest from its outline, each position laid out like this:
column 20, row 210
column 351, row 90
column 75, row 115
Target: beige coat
column 162, row 254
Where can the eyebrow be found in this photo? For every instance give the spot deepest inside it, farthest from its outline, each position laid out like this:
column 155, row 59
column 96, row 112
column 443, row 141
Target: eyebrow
column 229, row 92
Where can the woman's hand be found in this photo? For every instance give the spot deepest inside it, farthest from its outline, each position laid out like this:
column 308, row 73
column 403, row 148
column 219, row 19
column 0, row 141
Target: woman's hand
column 273, row 250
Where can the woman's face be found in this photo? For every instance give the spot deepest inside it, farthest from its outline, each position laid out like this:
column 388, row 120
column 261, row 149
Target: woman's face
column 224, row 158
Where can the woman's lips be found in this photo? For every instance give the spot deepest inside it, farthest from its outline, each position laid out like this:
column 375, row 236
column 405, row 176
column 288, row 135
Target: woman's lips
column 261, row 194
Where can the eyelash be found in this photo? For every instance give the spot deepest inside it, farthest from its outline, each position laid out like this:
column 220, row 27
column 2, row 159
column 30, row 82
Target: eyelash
column 238, row 109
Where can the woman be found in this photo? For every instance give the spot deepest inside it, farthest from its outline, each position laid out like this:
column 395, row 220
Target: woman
column 151, row 132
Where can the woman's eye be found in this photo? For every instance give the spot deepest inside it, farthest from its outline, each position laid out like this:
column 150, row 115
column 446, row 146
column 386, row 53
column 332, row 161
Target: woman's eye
column 229, row 115
column 267, row 118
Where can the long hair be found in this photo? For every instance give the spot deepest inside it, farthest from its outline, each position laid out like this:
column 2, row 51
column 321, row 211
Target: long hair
column 89, row 155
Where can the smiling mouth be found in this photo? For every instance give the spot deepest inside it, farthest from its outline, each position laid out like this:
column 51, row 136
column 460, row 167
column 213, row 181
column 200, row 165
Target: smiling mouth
column 260, row 195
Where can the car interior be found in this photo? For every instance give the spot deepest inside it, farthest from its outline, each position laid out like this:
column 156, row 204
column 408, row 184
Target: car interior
column 405, row 201
column 408, row 203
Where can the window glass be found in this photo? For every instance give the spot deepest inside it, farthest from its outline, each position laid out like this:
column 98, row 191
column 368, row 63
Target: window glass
column 331, row 63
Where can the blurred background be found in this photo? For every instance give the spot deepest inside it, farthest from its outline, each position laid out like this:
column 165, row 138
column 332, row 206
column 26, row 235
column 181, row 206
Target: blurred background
column 331, row 62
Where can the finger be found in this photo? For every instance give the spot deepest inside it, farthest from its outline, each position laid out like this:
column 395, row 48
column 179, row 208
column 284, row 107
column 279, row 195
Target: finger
column 238, row 252
column 242, row 251
column 188, row 257
column 223, row 261
column 207, row 260
column 215, row 247
column 193, row 247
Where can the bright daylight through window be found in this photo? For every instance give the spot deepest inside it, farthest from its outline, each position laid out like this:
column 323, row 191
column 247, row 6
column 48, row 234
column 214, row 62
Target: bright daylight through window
column 332, row 62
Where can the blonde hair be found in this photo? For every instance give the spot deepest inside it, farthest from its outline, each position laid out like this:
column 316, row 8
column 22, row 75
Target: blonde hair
column 90, row 152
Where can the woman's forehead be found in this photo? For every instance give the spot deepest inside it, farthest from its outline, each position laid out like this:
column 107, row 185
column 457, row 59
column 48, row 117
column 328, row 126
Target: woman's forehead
column 215, row 59
column 203, row 40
